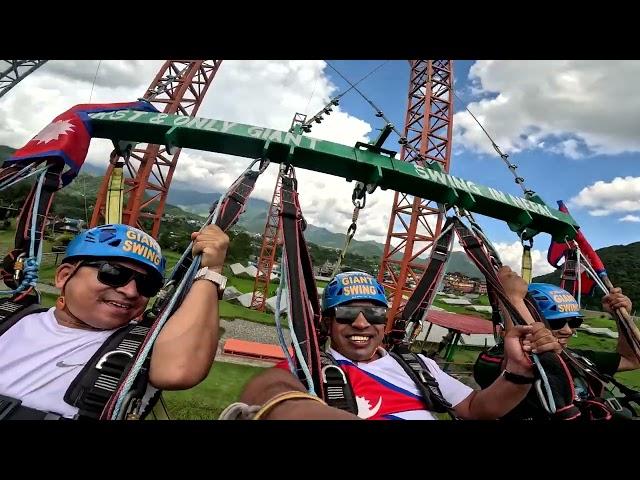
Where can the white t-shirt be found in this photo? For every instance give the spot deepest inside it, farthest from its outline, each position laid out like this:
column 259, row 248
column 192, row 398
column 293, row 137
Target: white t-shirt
column 39, row 358
column 384, row 391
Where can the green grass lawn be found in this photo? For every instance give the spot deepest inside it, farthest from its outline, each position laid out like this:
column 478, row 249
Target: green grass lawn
column 207, row 400
column 245, row 285
column 231, row 311
column 460, row 309
column 481, row 300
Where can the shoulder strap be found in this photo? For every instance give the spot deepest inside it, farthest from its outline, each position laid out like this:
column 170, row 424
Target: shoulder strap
column 12, row 312
column 304, row 306
column 335, row 385
column 100, row 378
column 423, row 294
column 413, row 365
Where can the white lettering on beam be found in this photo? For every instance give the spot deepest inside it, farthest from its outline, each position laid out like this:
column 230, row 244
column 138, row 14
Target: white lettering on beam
column 497, row 195
column 473, row 188
column 276, row 136
column 134, row 116
column 438, row 177
column 181, row 120
column 159, row 118
column 227, row 125
column 211, row 126
column 197, row 122
column 292, row 138
column 255, row 132
column 520, row 202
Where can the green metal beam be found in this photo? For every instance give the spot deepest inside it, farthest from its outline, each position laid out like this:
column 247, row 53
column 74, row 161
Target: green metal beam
column 352, row 163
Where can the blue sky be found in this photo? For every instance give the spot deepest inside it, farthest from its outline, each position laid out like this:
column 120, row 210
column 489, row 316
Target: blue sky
column 572, row 127
column 553, row 176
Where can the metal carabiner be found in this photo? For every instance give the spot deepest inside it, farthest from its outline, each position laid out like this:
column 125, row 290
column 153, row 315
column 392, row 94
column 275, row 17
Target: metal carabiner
column 522, row 241
column 359, row 193
column 264, row 163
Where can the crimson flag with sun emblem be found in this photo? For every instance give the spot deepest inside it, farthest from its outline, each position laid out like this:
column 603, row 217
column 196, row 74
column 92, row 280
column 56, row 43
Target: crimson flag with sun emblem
column 68, row 136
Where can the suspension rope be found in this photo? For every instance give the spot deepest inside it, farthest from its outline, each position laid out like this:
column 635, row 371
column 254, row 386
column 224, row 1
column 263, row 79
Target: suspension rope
column 505, row 157
column 182, row 287
column 281, row 287
column 359, row 200
column 94, row 80
column 30, row 264
column 307, row 124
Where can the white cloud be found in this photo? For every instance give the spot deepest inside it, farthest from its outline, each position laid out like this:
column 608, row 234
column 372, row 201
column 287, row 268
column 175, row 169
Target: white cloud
column 630, row 218
column 533, row 104
column 263, row 93
column 603, row 198
column 568, row 148
column 511, row 255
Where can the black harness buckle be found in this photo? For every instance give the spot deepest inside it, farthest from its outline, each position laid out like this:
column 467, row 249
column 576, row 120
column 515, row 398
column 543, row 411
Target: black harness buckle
column 8, row 405
column 613, row 404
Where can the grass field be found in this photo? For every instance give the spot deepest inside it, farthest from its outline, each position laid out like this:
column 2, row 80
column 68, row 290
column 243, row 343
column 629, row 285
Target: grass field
column 232, row 311
column 206, row 401
column 460, row 309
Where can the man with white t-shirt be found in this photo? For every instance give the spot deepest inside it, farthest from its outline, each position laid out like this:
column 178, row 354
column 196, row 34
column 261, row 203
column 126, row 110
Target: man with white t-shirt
column 106, row 279
column 354, row 309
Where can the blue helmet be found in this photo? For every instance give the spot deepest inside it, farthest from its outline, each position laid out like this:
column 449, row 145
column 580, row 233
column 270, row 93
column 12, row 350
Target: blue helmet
column 118, row 241
column 554, row 302
column 348, row 286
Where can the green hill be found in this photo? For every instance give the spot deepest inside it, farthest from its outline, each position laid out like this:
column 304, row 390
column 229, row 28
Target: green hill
column 623, row 267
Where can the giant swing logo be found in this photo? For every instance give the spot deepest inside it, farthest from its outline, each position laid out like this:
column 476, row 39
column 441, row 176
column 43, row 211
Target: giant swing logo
column 358, row 285
column 143, row 245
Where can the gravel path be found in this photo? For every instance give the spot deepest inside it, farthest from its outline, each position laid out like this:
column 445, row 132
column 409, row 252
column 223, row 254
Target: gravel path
column 254, row 332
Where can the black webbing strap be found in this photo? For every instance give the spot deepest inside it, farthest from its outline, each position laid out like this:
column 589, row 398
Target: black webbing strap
column 424, row 292
column 94, row 394
column 100, row 378
column 12, row 409
column 422, row 295
column 337, row 390
column 549, row 364
column 232, row 207
column 413, row 365
column 11, row 311
column 304, row 307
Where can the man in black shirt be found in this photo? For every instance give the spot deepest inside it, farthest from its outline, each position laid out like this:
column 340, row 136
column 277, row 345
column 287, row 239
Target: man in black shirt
column 562, row 312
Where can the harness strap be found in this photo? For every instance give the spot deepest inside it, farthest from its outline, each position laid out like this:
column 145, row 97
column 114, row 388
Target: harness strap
column 304, row 306
column 131, row 371
column 339, row 392
column 101, row 376
column 232, row 207
column 336, row 387
column 559, row 393
column 423, row 294
column 12, row 409
column 413, row 365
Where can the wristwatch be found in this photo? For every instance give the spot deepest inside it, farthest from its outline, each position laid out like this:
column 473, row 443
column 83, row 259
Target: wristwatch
column 213, row 277
column 517, row 379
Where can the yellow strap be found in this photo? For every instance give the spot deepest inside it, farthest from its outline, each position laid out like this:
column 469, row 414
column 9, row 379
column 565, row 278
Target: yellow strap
column 283, row 397
column 113, row 206
column 526, row 263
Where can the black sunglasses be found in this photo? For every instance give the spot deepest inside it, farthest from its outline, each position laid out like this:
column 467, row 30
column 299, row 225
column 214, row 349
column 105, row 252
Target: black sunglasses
column 558, row 323
column 346, row 314
column 115, row 275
